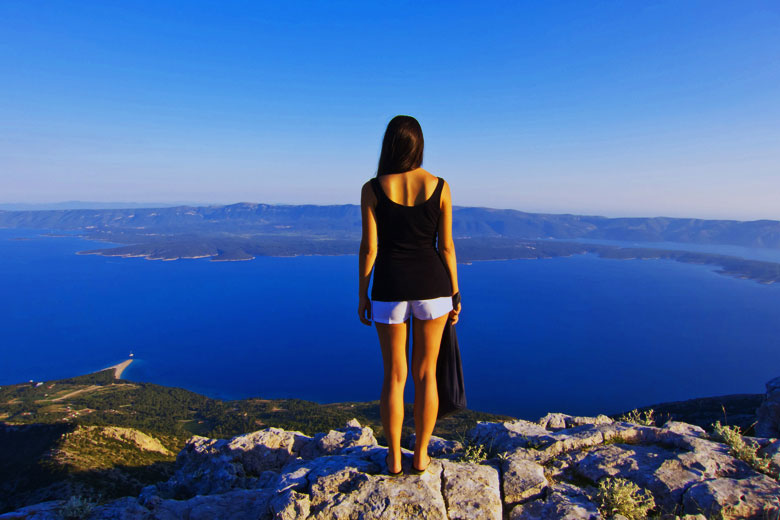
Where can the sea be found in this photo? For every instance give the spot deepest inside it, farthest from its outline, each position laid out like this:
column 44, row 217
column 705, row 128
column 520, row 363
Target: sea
column 580, row 335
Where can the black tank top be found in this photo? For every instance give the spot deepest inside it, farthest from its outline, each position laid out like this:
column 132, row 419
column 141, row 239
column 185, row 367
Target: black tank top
column 408, row 265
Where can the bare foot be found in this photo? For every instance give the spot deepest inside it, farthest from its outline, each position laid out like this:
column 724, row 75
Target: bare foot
column 421, row 462
column 394, row 467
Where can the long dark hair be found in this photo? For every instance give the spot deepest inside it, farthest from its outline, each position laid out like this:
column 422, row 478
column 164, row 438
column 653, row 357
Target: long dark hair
column 402, row 147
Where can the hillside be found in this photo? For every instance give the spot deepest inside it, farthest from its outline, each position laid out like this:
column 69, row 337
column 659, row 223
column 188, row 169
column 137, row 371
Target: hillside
column 60, row 436
column 559, row 467
column 343, row 221
column 95, row 435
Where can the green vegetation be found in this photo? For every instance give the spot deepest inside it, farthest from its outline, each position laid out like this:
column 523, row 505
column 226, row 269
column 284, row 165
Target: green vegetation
column 57, row 439
column 745, row 451
column 621, row 496
column 76, row 508
column 99, row 399
column 644, row 418
column 477, row 452
column 616, row 439
column 473, row 452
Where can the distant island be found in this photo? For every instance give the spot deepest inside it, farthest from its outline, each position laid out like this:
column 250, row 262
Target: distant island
column 246, row 230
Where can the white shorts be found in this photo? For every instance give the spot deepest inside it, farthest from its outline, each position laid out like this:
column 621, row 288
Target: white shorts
column 399, row 312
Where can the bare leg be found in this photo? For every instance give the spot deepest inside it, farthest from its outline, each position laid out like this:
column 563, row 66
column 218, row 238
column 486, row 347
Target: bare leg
column 427, row 340
column 393, row 340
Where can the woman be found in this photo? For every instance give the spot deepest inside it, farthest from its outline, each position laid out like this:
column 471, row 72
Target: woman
column 403, row 209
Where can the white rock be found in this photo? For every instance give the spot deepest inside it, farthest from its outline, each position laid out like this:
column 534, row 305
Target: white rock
column 756, row 497
column 471, row 491
column 563, row 502
column 523, row 479
column 290, row 505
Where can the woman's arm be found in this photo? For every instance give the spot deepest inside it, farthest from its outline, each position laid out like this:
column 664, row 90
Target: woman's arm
column 446, row 245
column 368, row 250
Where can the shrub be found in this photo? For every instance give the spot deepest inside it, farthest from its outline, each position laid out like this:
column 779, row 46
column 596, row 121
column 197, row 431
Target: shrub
column 76, row 508
column 621, row 496
column 642, row 418
column 748, row 452
column 473, row 452
column 616, row 439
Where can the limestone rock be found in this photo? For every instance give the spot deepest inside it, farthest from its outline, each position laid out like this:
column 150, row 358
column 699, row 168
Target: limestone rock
column 43, row 511
column 685, row 428
column 278, row 474
column 267, row 449
column 666, row 473
column 290, row 505
column 506, row 436
column 768, row 424
column 299, row 474
column 756, row 497
column 437, row 447
column 209, row 466
column 351, row 435
column 126, row 508
column 239, row 504
column 471, row 491
column 576, row 437
column 772, row 452
column 523, row 479
column 349, row 494
column 560, row 421
column 563, row 501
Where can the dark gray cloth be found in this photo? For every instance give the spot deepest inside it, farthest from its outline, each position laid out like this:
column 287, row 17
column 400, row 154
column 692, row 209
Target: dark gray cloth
column 449, row 371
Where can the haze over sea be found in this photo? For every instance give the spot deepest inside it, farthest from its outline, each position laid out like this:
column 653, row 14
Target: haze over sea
column 580, row 335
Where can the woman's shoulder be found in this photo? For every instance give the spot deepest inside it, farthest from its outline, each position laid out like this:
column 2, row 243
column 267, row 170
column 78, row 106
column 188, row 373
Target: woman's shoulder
column 434, row 176
column 368, row 192
column 441, row 180
column 431, row 178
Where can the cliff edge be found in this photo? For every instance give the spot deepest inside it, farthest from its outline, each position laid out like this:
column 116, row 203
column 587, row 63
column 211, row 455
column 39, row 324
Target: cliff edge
column 518, row 469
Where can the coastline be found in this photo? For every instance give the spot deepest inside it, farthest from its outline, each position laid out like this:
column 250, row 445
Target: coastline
column 119, row 368
column 761, row 271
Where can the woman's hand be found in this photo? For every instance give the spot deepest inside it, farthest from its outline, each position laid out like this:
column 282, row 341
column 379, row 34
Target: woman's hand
column 364, row 310
column 454, row 314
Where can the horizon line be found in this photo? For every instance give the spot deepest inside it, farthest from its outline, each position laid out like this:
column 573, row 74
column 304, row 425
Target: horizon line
column 172, row 204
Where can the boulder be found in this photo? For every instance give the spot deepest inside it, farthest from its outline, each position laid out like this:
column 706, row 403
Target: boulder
column 560, row 421
column 290, row 505
column 768, row 414
column 351, row 435
column 665, row 472
column 523, row 478
column 471, row 491
column 756, row 498
column 562, row 501
column 772, row 452
column 350, row 494
column 437, row 446
column 43, row 511
column 506, row 436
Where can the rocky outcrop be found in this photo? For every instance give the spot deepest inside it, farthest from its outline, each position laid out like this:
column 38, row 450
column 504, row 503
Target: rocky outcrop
column 548, row 469
column 768, row 424
column 143, row 441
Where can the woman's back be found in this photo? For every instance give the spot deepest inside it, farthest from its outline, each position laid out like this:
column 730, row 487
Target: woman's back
column 410, row 188
column 408, row 264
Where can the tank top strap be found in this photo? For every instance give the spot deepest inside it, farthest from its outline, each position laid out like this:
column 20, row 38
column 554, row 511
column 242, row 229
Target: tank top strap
column 437, row 192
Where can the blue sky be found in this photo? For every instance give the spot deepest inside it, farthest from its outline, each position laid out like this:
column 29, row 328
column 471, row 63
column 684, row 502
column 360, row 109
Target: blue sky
column 641, row 108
